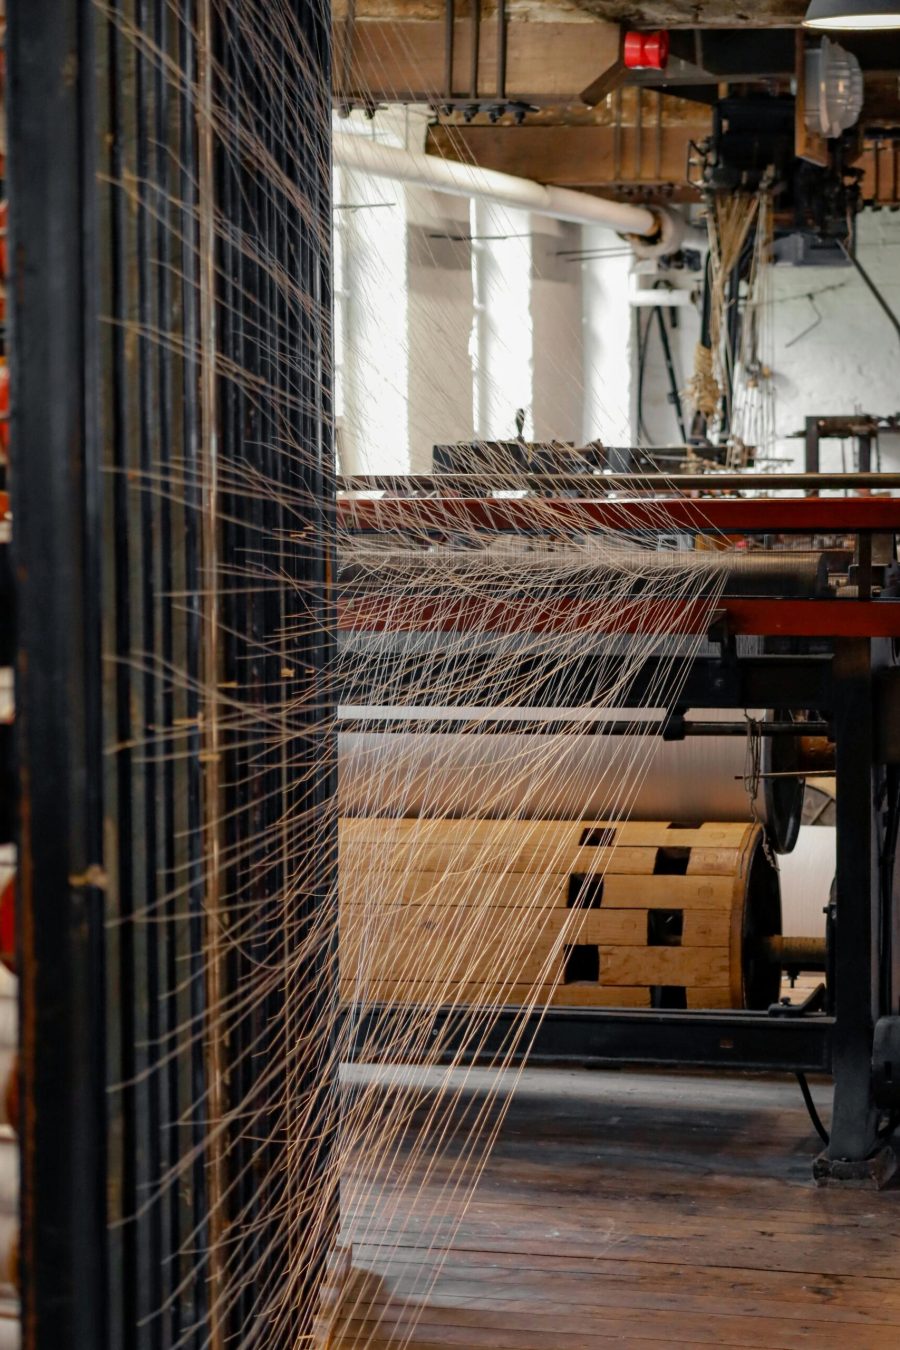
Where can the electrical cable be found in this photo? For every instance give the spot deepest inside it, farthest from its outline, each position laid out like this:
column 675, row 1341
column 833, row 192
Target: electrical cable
column 811, row 1108
column 889, row 1125
column 888, row 863
column 674, row 392
column 643, row 334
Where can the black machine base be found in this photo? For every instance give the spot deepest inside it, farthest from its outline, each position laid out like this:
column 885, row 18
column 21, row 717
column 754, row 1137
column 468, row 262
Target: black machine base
column 873, row 1173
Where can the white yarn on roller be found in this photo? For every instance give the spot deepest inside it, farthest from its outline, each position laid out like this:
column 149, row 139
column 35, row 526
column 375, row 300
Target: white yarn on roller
column 9, row 1171
column 806, row 877
column 10, row 1330
column 569, row 776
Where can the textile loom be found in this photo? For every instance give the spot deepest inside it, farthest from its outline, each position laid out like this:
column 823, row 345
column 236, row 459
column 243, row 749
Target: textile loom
column 675, row 956
column 332, row 801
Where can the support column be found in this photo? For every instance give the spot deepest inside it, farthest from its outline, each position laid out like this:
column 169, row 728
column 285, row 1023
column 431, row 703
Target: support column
column 854, row 1153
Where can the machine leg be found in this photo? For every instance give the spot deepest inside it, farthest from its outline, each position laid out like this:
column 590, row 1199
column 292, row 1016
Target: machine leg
column 811, row 458
column 855, row 1153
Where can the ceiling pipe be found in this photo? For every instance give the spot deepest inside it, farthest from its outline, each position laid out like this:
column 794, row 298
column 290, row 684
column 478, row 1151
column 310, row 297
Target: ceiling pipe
column 656, row 228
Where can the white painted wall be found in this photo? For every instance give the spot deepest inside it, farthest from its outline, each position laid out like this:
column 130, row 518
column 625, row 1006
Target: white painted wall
column 502, row 345
column 452, row 315
column 440, row 313
column 849, row 362
column 607, row 342
column 557, row 398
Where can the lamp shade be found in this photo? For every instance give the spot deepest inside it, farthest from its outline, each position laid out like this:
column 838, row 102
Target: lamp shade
column 853, row 15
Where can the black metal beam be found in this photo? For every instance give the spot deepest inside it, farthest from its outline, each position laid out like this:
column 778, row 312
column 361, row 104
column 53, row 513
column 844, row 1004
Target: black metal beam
column 56, row 501
column 670, row 729
column 857, row 994
column 597, row 1037
column 471, row 483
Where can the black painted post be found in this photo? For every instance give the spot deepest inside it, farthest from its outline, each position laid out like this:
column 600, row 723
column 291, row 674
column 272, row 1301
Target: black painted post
column 116, row 1029
column 55, row 500
column 854, row 1152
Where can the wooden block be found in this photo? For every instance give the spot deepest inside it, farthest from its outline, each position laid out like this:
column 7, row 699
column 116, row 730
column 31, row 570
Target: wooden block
column 499, row 994
column 596, row 996
column 687, row 892
column 502, row 927
column 653, row 834
column 423, row 926
column 546, row 857
column 364, row 885
column 356, row 829
column 431, row 994
column 715, row 997
column 520, row 890
column 538, row 959
column 706, row 967
column 702, row 929
column 620, row 861
column 444, row 830
column 724, row 862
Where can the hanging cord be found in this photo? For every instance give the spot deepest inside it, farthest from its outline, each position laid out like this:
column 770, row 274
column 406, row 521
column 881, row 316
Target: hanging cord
column 811, row 1108
column 889, row 1125
column 752, row 776
column 887, row 1129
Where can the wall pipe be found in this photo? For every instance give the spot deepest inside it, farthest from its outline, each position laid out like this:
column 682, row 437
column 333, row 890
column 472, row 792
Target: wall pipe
column 364, row 155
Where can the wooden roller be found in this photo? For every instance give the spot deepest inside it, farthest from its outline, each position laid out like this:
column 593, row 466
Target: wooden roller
column 590, row 913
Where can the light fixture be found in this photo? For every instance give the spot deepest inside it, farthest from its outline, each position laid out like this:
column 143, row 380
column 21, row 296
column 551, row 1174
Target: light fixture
column 856, row 16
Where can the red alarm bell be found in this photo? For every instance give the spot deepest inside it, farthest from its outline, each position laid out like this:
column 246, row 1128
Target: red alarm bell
column 646, row 51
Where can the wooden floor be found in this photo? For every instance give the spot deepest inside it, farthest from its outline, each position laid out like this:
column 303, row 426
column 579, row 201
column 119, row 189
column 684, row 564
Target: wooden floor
column 644, row 1210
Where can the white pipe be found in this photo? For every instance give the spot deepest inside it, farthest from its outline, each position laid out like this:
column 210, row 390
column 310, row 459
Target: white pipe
column 466, row 180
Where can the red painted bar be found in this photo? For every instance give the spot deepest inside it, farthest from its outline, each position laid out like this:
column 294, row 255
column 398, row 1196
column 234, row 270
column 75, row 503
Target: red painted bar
column 727, row 515
column 754, row 618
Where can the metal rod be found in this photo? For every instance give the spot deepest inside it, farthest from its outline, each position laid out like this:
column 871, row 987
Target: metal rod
column 631, row 482
column 799, row 773
column 449, row 35
column 501, row 49
column 810, row 953
column 211, row 659
column 617, row 142
column 475, row 723
column 674, row 391
column 638, row 134
column 852, row 258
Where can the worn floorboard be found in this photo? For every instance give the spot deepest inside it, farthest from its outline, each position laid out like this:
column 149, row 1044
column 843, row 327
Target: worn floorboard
column 618, row 1208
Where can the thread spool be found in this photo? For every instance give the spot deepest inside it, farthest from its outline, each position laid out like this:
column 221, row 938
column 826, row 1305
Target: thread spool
column 10, row 1328
column 9, row 1075
column 566, row 776
column 806, row 877
column 585, row 913
column 8, row 919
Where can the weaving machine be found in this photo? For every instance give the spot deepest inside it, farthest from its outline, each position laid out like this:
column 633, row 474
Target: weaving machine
column 807, row 629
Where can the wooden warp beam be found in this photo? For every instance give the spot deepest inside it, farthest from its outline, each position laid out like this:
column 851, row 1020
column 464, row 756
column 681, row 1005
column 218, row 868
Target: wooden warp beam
column 558, row 913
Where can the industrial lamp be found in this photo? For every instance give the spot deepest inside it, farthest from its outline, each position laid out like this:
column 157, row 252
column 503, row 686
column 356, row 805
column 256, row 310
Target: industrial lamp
column 853, row 15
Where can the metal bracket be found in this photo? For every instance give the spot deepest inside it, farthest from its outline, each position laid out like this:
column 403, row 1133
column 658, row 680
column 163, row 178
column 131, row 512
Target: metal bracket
column 886, row 1062
column 813, row 1003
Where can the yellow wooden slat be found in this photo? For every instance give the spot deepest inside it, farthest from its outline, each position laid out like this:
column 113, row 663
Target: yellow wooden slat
column 702, row 967
column 562, row 996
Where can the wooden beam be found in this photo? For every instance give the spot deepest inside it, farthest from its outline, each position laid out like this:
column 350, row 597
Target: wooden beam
column 737, row 14
column 880, row 163
column 405, row 60
column 698, row 13
column 575, row 156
